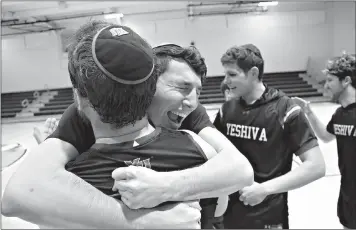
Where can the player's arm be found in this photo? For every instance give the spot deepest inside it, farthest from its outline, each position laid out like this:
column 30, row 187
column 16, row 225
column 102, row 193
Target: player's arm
column 311, row 169
column 301, row 138
column 319, row 128
column 223, row 174
column 41, row 187
column 223, row 202
column 51, row 196
column 210, row 152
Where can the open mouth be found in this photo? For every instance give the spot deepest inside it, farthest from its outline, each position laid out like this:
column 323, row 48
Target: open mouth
column 175, row 117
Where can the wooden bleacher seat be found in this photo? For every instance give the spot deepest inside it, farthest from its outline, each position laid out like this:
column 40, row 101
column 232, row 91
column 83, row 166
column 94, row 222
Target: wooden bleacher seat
column 288, row 82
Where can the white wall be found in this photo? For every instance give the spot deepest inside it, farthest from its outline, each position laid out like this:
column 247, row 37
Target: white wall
column 286, row 40
column 340, row 17
column 30, row 62
column 343, row 27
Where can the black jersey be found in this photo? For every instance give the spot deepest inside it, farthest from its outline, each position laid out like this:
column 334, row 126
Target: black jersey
column 343, row 126
column 162, row 150
column 268, row 132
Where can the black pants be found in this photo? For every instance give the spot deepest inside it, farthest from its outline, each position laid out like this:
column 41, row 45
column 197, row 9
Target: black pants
column 218, row 222
column 207, row 213
column 253, row 223
column 346, row 211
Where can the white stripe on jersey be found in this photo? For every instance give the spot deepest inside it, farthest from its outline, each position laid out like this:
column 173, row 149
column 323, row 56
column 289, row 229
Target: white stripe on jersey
column 221, row 113
column 292, row 110
column 208, row 150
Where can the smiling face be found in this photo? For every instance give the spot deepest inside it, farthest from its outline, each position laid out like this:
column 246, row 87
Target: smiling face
column 334, row 86
column 178, row 89
column 243, row 67
column 240, row 83
column 340, row 76
column 228, row 94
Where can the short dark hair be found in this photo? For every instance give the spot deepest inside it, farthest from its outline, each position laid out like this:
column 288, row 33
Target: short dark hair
column 246, row 57
column 342, row 67
column 190, row 55
column 116, row 103
column 88, row 29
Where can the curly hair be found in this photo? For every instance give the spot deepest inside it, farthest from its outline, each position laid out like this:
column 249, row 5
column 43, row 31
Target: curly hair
column 246, row 57
column 115, row 103
column 165, row 53
column 88, row 29
column 342, row 67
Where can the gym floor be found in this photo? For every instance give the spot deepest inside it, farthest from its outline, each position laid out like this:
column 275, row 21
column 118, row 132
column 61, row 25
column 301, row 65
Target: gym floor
column 310, row 207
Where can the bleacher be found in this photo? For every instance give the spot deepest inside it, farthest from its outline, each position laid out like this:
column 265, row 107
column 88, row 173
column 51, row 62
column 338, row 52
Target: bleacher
column 290, row 83
column 13, row 103
column 58, row 104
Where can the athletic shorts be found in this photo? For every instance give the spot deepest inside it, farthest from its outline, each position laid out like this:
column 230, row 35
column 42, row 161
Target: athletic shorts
column 275, row 218
column 218, row 222
column 254, row 223
column 346, row 211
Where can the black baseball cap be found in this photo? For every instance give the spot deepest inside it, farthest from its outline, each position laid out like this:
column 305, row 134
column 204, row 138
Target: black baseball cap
column 123, row 55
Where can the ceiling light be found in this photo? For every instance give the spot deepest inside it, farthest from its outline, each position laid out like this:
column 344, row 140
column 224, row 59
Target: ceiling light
column 267, row 3
column 113, row 16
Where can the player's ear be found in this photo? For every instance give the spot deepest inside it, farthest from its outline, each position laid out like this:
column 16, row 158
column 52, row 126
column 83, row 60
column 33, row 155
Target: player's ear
column 77, row 99
column 81, row 102
column 254, row 72
column 347, row 81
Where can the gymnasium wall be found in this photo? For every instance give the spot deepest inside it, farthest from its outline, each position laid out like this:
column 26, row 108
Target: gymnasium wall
column 31, row 62
column 340, row 16
column 286, row 40
column 343, row 27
